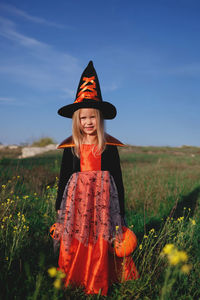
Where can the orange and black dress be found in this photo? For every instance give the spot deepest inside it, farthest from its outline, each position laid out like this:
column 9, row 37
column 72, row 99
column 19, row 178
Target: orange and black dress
column 89, row 214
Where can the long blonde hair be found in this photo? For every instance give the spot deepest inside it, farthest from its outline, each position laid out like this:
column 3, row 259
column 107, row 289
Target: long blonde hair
column 78, row 135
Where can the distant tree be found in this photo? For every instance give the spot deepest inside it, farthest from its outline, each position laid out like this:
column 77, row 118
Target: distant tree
column 42, row 142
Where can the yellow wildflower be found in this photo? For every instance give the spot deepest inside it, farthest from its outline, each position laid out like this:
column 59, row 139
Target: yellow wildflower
column 193, row 222
column 57, row 283
column 168, row 248
column 145, row 236
column 186, row 269
column 117, row 227
column 174, row 258
column 60, row 274
column 183, row 256
column 3, row 186
column 52, row 272
column 140, row 247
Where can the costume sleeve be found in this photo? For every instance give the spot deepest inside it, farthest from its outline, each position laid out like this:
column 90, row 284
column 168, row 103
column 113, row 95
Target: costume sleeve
column 66, row 171
column 117, row 175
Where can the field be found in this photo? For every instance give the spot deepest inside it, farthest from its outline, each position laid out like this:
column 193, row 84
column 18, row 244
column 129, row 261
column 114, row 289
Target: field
column 162, row 196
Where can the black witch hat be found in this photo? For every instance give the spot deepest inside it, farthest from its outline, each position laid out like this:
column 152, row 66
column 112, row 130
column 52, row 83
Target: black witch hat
column 89, row 96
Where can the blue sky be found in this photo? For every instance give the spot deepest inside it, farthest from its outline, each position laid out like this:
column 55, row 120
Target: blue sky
column 146, row 54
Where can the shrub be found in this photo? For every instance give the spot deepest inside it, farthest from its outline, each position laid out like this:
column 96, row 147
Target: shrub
column 42, row 142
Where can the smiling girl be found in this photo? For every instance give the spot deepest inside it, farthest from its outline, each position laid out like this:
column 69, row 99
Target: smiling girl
column 90, row 200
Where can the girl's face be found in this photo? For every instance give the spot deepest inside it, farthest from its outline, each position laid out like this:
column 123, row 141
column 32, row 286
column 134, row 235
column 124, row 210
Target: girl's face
column 88, row 121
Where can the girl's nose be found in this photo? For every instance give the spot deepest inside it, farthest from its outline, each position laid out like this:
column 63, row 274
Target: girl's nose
column 89, row 121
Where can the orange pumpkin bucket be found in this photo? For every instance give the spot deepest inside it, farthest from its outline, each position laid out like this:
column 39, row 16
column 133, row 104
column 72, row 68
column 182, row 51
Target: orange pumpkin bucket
column 125, row 245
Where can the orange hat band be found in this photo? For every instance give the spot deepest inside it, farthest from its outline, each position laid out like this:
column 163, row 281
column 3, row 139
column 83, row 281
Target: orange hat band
column 91, row 92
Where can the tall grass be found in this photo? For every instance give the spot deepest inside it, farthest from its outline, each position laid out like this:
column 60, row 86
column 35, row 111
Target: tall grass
column 162, row 207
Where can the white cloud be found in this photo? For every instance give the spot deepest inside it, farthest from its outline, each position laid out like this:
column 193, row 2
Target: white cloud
column 6, row 99
column 8, row 30
column 34, row 63
column 190, row 69
column 17, row 12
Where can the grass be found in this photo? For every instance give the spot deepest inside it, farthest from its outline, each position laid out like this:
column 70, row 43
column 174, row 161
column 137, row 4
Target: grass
column 162, row 207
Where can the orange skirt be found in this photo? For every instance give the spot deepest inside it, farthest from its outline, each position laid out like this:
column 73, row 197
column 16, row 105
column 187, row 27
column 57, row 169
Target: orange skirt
column 88, row 219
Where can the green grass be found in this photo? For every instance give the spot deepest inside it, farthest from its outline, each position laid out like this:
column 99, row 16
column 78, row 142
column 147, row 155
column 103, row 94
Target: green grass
column 162, row 185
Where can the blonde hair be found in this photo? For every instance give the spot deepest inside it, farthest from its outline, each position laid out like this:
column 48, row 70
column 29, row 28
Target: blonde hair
column 78, row 135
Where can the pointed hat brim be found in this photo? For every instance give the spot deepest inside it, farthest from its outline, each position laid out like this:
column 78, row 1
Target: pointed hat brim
column 108, row 110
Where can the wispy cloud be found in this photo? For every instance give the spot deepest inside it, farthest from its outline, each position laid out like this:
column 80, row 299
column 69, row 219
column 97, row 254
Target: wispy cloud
column 109, row 88
column 6, row 100
column 8, row 30
column 190, row 69
column 36, row 64
column 18, row 12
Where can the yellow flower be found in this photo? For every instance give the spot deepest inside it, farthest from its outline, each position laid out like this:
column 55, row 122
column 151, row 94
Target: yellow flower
column 48, row 187
column 183, row 256
column 60, row 274
column 193, row 222
column 168, row 248
column 140, row 247
column 145, row 236
column 3, row 186
column 152, row 230
column 117, row 227
column 52, row 272
column 186, row 269
column 174, row 258
column 57, row 283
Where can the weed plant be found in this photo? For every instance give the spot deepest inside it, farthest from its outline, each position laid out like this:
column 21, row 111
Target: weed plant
column 162, row 208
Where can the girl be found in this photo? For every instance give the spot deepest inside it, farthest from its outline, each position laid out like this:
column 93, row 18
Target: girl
column 90, row 200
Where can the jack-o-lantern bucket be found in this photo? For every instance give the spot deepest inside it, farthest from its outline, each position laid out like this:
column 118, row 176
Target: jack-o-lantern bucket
column 125, row 243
